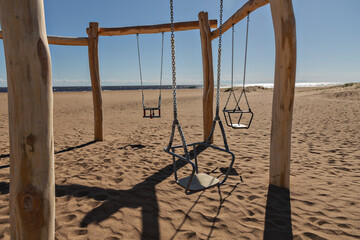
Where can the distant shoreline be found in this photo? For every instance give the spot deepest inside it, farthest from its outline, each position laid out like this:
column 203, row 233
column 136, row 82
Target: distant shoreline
column 154, row 87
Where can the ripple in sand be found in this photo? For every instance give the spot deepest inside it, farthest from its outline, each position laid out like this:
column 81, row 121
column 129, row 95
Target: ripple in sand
column 69, row 218
column 240, row 197
column 313, row 236
column 119, row 180
column 190, row 235
column 80, row 232
column 112, row 238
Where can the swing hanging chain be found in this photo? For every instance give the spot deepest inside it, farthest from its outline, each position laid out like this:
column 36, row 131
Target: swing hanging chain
column 173, row 60
column 141, row 80
column 219, row 63
column 173, row 64
column 232, row 59
column 161, row 68
column 217, row 117
column 243, row 92
column 246, row 47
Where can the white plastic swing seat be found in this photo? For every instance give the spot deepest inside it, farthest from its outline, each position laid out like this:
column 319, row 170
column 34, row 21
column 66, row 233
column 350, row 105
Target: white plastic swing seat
column 200, row 181
column 237, row 125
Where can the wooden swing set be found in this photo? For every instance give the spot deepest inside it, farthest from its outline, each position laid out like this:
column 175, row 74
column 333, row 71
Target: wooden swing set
column 32, row 182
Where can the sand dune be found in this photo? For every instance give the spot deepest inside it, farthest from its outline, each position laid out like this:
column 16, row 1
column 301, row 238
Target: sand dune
column 124, row 188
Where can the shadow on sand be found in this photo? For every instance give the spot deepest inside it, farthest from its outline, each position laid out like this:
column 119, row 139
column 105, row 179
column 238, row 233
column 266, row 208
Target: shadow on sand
column 76, row 147
column 142, row 195
column 278, row 214
column 61, row 151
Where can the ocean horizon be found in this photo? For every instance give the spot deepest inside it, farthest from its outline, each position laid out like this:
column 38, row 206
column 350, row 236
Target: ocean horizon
column 153, row 87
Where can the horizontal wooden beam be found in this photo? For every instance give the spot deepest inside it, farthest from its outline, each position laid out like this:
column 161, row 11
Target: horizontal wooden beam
column 147, row 29
column 240, row 14
column 70, row 41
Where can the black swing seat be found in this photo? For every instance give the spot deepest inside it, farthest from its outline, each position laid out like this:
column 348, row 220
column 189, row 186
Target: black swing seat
column 198, row 181
column 152, row 112
column 231, row 115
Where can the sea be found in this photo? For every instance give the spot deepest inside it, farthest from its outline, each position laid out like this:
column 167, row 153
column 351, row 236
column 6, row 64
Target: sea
column 137, row 87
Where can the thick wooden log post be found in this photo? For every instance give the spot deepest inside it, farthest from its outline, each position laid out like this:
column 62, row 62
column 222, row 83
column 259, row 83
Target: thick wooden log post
column 32, row 186
column 284, row 87
column 93, row 35
column 208, row 74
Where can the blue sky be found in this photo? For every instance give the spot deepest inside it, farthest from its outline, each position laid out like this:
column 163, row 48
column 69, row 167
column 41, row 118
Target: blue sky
column 328, row 37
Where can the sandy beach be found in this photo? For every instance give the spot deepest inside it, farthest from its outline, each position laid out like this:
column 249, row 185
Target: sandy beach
column 124, row 188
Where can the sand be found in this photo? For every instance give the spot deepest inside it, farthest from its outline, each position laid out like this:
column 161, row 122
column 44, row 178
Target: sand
column 124, row 188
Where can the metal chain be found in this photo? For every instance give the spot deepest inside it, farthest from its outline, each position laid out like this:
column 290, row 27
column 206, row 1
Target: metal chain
column 173, row 60
column 232, row 58
column 162, row 60
column 219, row 63
column 141, row 80
column 246, row 47
column 243, row 92
column 175, row 122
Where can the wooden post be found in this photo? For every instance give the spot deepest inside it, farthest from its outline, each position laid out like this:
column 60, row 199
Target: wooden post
column 208, row 74
column 284, row 87
column 93, row 36
column 32, row 186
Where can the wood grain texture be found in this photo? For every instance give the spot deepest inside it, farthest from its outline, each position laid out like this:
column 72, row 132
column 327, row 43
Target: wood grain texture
column 28, row 66
column 70, row 41
column 95, row 80
column 208, row 74
column 240, row 14
column 148, row 29
column 284, row 87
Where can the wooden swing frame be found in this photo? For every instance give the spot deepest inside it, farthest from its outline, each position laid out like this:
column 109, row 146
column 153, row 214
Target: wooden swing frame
column 32, row 181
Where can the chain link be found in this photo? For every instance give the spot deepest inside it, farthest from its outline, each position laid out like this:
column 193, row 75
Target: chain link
column 176, row 122
column 173, row 60
column 219, row 63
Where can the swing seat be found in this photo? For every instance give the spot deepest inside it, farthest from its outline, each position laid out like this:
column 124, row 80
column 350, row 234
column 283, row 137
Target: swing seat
column 238, row 125
column 152, row 112
column 199, row 182
column 235, row 118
